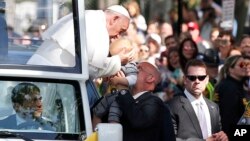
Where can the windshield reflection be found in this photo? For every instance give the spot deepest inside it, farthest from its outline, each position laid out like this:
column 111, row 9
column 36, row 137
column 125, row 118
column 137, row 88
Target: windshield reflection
column 27, row 103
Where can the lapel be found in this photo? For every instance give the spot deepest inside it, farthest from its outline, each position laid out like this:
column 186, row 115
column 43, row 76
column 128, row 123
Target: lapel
column 188, row 108
column 212, row 111
column 143, row 97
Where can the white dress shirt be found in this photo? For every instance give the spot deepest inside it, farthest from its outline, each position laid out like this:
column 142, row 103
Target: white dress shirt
column 194, row 101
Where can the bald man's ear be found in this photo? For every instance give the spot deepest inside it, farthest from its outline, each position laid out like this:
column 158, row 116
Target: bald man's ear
column 150, row 79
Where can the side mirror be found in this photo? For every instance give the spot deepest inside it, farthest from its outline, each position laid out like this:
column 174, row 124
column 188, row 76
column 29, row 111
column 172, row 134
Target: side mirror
column 109, row 132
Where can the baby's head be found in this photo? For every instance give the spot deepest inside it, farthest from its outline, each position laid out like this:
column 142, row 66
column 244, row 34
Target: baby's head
column 119, row 45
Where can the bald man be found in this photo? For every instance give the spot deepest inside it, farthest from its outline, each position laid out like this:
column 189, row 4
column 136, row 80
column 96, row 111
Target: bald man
column 58, row 48
column 144, row 116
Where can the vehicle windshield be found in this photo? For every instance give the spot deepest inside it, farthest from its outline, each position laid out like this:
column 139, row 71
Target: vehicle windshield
column 42, row 107
column 23, row 24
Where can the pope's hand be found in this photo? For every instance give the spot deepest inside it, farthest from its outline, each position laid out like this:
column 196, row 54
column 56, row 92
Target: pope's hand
column 126, row 56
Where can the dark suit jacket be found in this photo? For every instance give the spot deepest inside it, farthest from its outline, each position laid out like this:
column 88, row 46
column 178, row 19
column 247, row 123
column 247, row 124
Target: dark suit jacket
column 186, row 124
column 143, row 118
column 231, row 95
column 11, row 123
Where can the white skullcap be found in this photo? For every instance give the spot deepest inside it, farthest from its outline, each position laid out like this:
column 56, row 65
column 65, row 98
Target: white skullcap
column 119, row 9
column 155, row 37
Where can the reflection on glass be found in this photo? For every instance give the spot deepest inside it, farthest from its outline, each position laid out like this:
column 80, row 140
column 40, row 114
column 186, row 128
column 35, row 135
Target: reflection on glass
column 22, row 23
column 27, row 103
column 42, row 107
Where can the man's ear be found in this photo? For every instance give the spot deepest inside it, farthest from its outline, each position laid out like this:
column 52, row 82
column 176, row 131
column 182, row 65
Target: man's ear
column 184, row 80
column 114, row 20
column 150, row 78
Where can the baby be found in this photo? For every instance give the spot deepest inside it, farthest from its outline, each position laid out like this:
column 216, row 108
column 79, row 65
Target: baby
column 107, row 109
column 128, row 74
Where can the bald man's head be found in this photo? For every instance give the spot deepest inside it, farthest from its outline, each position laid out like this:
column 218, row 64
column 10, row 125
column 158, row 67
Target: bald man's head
column 151, row 69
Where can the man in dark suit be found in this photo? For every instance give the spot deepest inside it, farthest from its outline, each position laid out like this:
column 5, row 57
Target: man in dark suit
column 195, row 118
column 27, row 102
column 144, row 115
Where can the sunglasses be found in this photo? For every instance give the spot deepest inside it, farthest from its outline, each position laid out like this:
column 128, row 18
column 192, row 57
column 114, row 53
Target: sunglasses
column 193, row 77
column 244, row 64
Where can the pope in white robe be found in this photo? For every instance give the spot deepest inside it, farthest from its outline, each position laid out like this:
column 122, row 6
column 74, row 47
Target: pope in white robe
column 58, row 48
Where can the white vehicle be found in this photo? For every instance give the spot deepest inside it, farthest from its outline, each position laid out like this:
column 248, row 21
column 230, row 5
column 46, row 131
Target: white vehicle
column 63, row 98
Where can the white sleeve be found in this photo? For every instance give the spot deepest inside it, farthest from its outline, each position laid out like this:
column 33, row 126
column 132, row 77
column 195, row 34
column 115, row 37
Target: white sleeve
column 58, row 48
column 131, row 79
column 111, row 66
column 62, row 32
column 97, row 38
column 50, row 53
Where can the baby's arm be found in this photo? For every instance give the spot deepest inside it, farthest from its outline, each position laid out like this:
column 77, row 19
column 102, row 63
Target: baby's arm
column 124, row 81
column 119, row 81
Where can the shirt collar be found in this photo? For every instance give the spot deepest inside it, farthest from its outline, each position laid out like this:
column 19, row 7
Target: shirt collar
column 19, row 119
column 138, row 94
column 192, row 99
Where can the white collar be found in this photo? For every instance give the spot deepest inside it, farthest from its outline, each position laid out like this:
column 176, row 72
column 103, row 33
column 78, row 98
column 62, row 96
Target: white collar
column 192, row 99
column 138, row 94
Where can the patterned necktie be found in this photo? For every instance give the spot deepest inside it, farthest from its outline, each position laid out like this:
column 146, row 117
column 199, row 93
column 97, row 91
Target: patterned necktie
column 202, row 119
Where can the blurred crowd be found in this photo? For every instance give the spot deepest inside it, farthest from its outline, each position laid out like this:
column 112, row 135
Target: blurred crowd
column 202, row 38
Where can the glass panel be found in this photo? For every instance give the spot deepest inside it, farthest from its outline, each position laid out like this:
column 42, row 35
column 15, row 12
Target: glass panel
column 22, row 27
column 39, row 107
